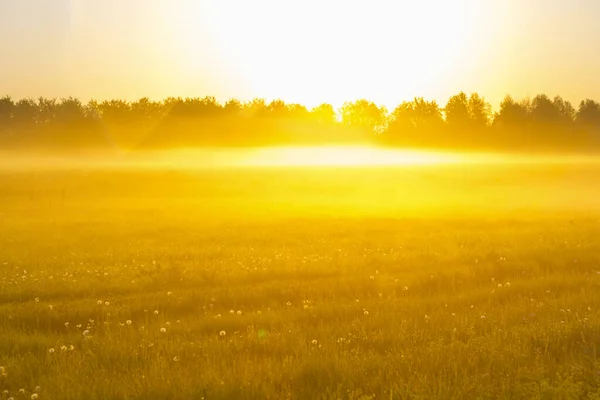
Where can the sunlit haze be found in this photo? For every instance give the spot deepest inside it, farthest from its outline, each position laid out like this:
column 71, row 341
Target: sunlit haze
column 308, row 52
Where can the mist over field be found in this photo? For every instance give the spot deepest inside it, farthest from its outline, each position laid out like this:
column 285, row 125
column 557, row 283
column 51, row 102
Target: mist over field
column 309, row 200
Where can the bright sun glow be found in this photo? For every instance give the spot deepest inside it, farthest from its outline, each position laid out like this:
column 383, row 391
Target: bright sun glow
column 334, row 51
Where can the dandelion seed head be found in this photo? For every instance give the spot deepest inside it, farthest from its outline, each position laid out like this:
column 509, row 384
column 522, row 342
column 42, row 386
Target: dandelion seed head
column 86, row 332
column 169, row 293
column 499, row 285
column 163, row 330
column 106, row 303
column 34, row 396
column 231, row 312
column 222, row 333
column 175, row 358
column 239, row 312
column 155, row 312
column 63, row 348
column 37, row 299
column 315, row 342
column 128, row 322
column 168, row 323
column 99, row 302
column 51, row 307
column 51, row 350
column 371, row 277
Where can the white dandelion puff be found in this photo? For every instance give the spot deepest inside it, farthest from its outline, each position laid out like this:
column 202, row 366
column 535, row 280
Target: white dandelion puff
column 231, row 312
column 34, row 396
column 51, row 307
column 163, row 330
column 175, row 358
column 51, row 350
column 37, row 299
column 315, row 342
column 169, row 293
column 99, row 302
column 365, row 312
column 371, row 277
column 106, row 303
column 222, row 333
column 155, row 312
column 499, row 285
column 86, row 332
column 239, row 312
column 63, row 348
column 168, row 323
column 128, row 322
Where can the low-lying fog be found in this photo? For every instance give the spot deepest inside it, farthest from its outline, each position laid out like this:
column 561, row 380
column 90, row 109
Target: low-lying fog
column 338, row 156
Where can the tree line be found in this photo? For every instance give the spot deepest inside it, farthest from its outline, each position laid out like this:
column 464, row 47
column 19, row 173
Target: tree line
column 466, row 121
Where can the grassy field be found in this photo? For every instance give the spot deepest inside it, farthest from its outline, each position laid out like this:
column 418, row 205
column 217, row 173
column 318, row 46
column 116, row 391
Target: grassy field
column 318, row 283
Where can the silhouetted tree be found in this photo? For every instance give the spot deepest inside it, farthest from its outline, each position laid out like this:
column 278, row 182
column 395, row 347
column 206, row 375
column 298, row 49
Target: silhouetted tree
column 588, row 114
column 324, row 114
column 7, row 109
column 512, row 114
column 480, row 112
column 457, row 111
column 364, row 115
column 417, row 121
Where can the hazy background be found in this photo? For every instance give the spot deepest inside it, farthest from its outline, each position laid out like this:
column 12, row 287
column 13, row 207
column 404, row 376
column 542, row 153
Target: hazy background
column 308, row 52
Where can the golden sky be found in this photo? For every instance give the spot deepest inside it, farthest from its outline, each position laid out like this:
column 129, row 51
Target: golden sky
column 307, row 51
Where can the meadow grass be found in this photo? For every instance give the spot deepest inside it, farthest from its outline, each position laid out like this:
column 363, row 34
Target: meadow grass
column 447, row 283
